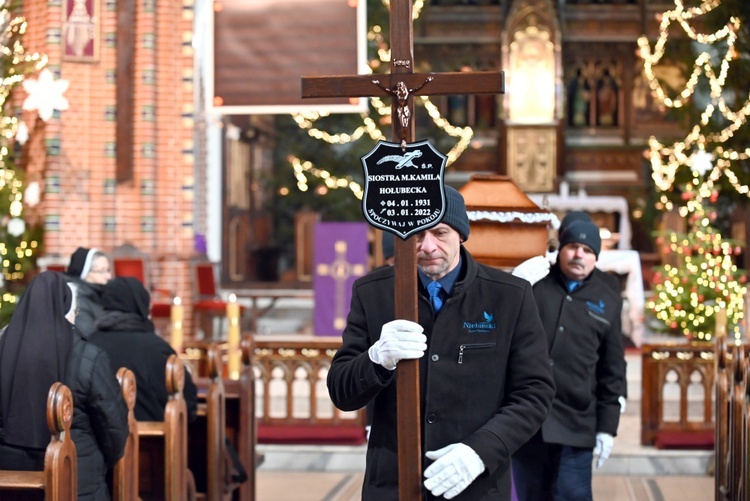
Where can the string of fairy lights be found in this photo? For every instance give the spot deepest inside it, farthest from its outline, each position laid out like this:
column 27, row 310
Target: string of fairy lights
column 369, row 127
column 666, row 160
column 688, row 297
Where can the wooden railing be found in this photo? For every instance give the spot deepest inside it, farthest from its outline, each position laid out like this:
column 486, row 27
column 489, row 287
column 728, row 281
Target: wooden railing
column 292, row 401
column 677, row 396
column 292, row 404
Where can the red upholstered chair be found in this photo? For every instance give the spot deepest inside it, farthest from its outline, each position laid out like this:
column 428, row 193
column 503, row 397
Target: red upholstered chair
column 53, row 262
column 136, row 266
column 208, row 307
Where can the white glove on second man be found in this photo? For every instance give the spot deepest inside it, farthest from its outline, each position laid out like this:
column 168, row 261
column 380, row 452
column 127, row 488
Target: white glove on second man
column 623, row 404
column 604, row 444
column 399, row 340
column 455, row 467
column 533, row 269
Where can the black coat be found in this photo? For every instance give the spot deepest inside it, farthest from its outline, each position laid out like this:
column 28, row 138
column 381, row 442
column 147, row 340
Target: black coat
column 493, row 399
column 584, row 338
column 89, row 304
column 100, row 418
column 146, row 354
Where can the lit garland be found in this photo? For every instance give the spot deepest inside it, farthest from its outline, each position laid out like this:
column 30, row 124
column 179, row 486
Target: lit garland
column 307, row 120
column 666, row 160
column 331, row 182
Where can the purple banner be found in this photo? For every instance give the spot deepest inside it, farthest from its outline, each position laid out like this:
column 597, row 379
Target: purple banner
column 340, row 255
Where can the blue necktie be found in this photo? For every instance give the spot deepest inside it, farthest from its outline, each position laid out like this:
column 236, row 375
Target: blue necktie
column 573, row 285
column 434, row 288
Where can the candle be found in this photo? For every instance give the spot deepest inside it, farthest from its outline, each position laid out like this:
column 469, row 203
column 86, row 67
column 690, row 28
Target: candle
column 176, row 316
column 720, row 316
column 235, row 354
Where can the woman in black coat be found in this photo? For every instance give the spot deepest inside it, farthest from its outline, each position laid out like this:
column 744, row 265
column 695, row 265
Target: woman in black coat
column 40, row 347
column 127, row 334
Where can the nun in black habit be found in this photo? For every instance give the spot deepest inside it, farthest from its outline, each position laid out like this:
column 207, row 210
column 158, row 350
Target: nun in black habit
column 39, row 347
column 127, row 334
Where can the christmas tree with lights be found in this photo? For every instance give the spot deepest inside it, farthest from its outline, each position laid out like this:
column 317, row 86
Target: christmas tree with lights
column 18, row 242
column 704, row 278
column 689, row 173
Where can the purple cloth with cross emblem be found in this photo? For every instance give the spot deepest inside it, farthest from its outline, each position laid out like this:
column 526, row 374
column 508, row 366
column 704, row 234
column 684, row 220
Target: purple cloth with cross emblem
column 340, row 256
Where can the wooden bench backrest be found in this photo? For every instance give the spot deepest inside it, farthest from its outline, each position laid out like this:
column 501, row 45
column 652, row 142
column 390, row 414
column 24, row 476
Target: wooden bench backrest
column 217, row 467
column 736, row 401
column 125, row 475
column 239, row 424
column 744, row 480
column 248, row 429
column 59, row 480
column 167, row 439
column 721, row 441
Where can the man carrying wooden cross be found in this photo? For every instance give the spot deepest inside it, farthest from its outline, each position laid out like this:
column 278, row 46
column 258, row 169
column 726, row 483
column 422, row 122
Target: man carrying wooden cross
column 485, row 380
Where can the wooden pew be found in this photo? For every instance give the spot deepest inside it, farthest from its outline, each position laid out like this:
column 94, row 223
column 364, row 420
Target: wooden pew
column 736, row 404
column 125, row 475
column 162, row 453
column 240, row 423
column 59, row 479
column 721, row 438
column 241, row 418
column 744, row 482
column 209, row 460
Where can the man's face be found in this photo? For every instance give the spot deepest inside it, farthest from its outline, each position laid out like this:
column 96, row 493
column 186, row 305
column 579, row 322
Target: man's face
column 576, row 261
column 438, row 250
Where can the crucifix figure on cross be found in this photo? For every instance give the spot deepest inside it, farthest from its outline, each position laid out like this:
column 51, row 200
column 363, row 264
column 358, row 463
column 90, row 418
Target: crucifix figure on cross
column 420, row 359
column 402, row 99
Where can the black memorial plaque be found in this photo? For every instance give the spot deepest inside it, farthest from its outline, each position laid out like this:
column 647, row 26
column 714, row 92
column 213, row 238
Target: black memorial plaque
column 404, row 188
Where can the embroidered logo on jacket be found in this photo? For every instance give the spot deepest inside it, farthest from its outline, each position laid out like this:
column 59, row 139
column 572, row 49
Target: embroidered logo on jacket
column 484, row 326
column 596, row 308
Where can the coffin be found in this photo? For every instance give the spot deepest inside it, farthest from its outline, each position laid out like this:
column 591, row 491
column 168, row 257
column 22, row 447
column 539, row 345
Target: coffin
column 507, row 227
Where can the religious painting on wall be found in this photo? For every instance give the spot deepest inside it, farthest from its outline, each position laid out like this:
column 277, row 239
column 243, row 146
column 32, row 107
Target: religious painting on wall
column 607, row 100
column 531, row 157
column 594, row 94
column 80, row 36
column 532, row 77
column 579, row 100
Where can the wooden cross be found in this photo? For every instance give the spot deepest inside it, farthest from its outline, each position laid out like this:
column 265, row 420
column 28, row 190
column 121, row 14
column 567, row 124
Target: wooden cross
column 403, row 84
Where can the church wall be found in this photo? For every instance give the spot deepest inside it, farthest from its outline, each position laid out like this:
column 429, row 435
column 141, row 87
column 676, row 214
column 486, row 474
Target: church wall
column 73, row 155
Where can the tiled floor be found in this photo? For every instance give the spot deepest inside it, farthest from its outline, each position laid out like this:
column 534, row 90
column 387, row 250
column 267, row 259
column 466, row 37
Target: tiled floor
column 632, row 473
column 305, row 486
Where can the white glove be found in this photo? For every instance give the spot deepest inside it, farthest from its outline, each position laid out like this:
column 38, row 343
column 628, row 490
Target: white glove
column 623, row 404
column 533, row 269
column 399, row 340
column 604, row 443
column 455, row 467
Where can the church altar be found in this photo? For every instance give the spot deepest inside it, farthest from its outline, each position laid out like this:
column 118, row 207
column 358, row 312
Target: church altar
column 563, row 202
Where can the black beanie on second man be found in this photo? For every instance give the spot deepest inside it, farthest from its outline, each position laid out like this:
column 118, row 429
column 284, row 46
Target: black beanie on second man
column 582, row 232
column 572, row 217
column 455, row 212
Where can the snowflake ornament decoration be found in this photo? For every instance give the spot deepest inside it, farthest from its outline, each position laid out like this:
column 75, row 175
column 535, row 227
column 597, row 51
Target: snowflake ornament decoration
column 45, row 94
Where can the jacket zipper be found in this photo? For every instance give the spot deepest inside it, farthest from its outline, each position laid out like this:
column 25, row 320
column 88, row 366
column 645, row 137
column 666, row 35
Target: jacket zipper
column 472, row 346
